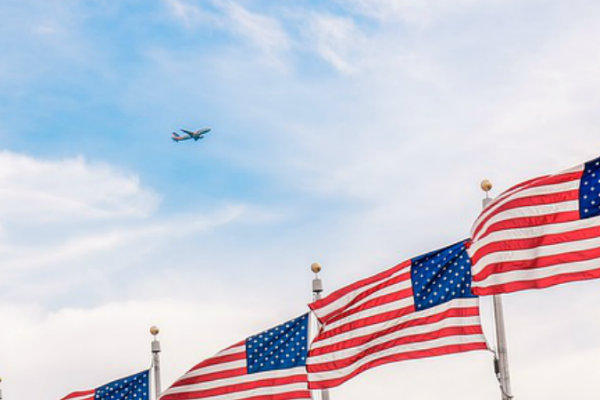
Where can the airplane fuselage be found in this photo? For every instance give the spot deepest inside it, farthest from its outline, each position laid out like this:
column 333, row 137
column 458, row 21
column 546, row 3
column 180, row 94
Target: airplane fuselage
column 199, row 134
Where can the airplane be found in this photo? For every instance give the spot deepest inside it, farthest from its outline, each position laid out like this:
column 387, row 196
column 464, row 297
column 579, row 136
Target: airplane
column 199, row 134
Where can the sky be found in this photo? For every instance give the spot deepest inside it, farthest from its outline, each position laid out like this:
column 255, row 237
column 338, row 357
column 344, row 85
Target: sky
column 350, row 132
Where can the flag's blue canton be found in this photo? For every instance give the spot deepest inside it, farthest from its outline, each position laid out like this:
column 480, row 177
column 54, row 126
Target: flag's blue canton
column 441, row 276
column 589, row 191
column 285, row 346
column 134, row 387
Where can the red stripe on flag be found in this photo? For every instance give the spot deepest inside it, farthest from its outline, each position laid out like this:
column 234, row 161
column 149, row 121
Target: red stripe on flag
column 421, row 337
column 531, row 221
column 540, row 262
column 370, row 320
column 238, row 387
column 538, row 283
column 438, row 351
column 378, row 301
column 357, row 285
column 220, row 360
column 332, row 317
column 538, row 241
column 297, row 394
column 557, row 178
column 519, row 185
column 534, row 200
column 359, row 340
column 536, row 182
column 549, row 180
column 80, row 393
column 229, row 373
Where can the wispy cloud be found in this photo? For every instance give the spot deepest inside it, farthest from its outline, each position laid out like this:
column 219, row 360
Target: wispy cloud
column 553, row 96
column 261, row 32
column 90, row 342
column 40, row 191
column 42, row 39
column 338, row 41
column 66, row 220
column 420, row 13
column 95, row 244
column 191, row 14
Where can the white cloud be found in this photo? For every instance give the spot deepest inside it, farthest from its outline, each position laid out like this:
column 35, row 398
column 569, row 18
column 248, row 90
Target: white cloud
column 264, row 32
column 410, row 110
column 337, row 40
column 40, row 191
column 94, row 244
column 75, row 348
column 421, row 13
column 552, row 100
column 69, row 224
column 261, row 32
column 182, row 10
column 40, row 39
column 190, row 14
column 46, row 29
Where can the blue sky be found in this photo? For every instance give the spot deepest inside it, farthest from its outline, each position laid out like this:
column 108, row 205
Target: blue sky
column 351, row 132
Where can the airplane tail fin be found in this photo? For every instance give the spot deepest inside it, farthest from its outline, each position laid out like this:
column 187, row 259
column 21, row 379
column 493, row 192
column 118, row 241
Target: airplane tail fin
column 175, row 137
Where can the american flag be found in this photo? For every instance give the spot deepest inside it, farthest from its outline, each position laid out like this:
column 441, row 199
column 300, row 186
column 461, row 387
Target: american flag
column 267, row 366
column 134, row 387
column 540, row 233
column 420, row 308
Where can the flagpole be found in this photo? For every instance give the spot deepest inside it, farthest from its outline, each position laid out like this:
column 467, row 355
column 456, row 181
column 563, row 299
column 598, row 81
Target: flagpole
column 317, row 289
column 155, row 347
column 501, row 354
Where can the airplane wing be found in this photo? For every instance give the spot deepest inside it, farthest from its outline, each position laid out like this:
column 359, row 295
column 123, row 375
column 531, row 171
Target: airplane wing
column 188, row 132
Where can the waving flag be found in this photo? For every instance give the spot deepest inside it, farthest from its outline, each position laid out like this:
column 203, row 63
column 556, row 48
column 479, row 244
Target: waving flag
column 134, row 387
column 540, row 233
column 267, row 366
column 420, row 308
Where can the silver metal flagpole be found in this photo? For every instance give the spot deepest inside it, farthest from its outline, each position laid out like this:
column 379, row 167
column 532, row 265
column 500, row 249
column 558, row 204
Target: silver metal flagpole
column 156, row 360
column 501, row 354
column 317, row 288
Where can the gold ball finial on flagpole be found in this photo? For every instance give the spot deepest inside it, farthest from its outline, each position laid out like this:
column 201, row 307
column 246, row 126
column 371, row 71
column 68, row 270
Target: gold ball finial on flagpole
column 315, row 267
column 154, row 330
column 486, row 185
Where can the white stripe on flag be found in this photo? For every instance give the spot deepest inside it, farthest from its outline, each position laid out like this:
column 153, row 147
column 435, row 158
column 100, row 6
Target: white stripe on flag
column 529, row 211
column 456, row 303
column 343, row 300
column 248, row 394
column 431, row 344
column 238, row 379
column 534, row 191
column 414, row 330
column 538, row 273
column 533, row 232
